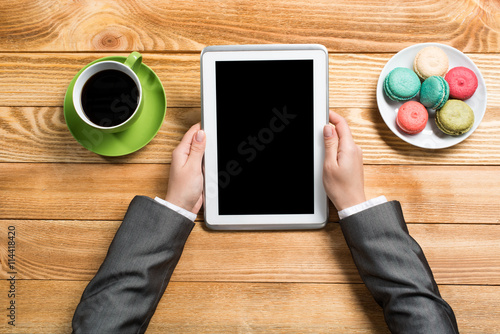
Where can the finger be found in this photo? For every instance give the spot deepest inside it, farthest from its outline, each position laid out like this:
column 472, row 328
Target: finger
column 181, row 152
column 331, row 144
column 198, row 143
column 196, row 208
column 188, row 136
column 343, row 130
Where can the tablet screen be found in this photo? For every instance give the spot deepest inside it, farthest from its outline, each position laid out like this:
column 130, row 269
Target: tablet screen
column 265, row 122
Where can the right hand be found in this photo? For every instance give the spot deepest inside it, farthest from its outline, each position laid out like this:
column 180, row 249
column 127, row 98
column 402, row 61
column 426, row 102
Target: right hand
column 343, row 168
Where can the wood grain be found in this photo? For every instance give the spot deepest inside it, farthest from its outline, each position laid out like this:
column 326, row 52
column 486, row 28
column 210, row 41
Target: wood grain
column 347, row 26
column 31, row 79
column 66, row 250
column 40, row 134
column 41, row 79
column 197, row 307
column 430, row 194
column 67, row 202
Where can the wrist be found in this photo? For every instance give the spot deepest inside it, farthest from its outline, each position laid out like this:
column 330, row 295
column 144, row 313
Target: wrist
column 178, row 202
column 361, row 207
column 350, row 202
column 188, row 214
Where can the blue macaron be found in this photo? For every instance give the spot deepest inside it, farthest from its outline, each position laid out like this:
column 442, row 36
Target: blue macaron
column 401, row 84
column 435, row 92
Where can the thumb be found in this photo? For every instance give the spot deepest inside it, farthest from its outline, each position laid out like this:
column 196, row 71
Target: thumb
column 331, row 143
column 197, row 150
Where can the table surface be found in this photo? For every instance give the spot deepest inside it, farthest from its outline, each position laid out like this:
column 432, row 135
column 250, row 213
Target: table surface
column 65, row 203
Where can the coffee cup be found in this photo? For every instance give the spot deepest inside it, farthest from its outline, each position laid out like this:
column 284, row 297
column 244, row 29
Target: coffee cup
column 108, row 94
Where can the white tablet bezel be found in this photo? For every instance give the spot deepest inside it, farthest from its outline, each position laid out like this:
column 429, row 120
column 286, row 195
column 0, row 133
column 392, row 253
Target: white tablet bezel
column 209, row 56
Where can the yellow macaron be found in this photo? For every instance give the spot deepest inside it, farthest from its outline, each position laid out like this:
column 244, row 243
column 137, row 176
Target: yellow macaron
column 430, row 61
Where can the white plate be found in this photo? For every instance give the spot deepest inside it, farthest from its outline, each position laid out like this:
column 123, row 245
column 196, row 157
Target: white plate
column 431, row 137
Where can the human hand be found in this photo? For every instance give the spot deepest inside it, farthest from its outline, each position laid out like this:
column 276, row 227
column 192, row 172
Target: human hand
column 185, row 185
column 343, row 168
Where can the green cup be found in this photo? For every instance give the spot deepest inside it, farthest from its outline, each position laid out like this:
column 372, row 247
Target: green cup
column 116, row 105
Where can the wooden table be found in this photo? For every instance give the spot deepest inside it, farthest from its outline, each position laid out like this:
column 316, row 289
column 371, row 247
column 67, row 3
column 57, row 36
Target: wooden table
column 65, row 203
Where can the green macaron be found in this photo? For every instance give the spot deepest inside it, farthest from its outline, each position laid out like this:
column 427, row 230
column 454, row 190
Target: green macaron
column 455, row 118
column 434, row 92
column 401, row 84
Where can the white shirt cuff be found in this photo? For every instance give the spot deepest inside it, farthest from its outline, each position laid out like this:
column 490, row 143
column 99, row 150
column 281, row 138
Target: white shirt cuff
column 362, row 206
column 188, row 214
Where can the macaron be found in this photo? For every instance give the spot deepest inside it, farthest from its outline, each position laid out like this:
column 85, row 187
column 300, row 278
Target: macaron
column 430, row 61
column 401, row 84
column 463, row 82
column 434, row 92
column 455, row 118
column 412, row 117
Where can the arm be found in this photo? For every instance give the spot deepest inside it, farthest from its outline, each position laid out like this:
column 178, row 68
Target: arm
column 123, row 295
column 395, row 270
column 389, row 260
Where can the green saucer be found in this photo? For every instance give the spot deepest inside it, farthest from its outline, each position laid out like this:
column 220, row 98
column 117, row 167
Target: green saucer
column 135, row 137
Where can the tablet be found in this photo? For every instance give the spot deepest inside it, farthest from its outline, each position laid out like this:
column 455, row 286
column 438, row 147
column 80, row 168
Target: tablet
column 263, row 110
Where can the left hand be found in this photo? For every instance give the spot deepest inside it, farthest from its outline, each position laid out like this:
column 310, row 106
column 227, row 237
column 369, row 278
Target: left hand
column 185, row 185
column 343, row 175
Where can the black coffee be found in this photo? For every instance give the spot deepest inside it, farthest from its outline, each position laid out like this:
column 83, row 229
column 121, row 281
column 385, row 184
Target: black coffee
column 109, row 98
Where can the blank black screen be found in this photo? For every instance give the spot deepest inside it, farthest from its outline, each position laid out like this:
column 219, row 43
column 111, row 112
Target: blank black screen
column 265, row 137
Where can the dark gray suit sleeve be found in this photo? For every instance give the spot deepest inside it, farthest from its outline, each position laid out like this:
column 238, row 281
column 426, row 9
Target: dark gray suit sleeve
column 124, row 293
column 395, row 270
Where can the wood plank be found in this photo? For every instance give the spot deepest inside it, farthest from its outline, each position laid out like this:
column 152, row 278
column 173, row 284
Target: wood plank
column 40, row 134
column 444, row 194
column 41, row 79
column 70, row 250
column 368, row 26
column 31, row 79
column 354, row 77
column 83, row 189
column 48, row 307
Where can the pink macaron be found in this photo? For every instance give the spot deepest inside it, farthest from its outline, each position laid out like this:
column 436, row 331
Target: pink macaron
column 412, row 117
column 462, row 81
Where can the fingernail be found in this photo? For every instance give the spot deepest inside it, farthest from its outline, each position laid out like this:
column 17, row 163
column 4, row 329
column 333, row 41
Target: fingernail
column 200, row 135
column 327, row 131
